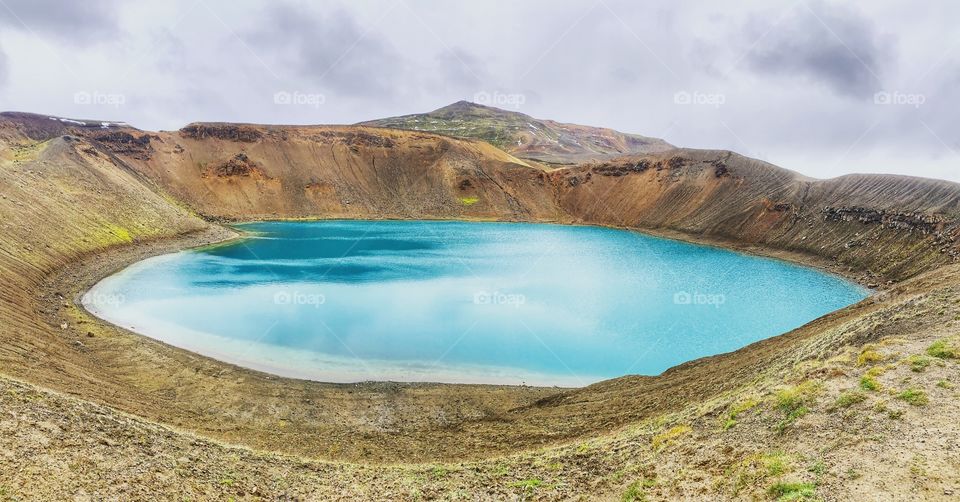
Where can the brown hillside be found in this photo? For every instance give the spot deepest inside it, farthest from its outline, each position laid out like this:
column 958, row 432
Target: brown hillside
column 888, row 227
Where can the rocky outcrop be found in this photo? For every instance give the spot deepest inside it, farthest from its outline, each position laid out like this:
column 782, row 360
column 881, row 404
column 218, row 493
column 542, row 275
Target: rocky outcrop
column 912, row 222
column 125, row 143
column 228, row 132
column 622, row 168
column 720, row 168
column 239, row 165
column 355, row 138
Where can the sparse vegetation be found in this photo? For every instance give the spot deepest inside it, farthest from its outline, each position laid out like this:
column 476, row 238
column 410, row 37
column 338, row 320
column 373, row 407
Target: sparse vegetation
column 775, row 463
column 669, row 436
column 794, row 400
column 818, row 468
column 944, row 349
column 869, row 355
column 509, row 131
column 918, row 466
column 528, row 485
column 736, row 409
column 784, row 492
column 849, row 398
column 914, row 396
column 792, row 397
column 869, row 383
column 754, row 469
column 918, row 363
column 635, row 492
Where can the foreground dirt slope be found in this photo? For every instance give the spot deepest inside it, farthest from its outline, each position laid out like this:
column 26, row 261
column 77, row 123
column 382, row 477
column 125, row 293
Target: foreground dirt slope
column 73, row 191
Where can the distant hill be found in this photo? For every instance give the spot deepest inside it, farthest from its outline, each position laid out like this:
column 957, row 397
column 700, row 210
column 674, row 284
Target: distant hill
column 524, row 136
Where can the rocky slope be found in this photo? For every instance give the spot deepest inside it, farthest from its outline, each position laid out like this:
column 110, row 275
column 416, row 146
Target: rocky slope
column 879, row 227
column 81, row 199
column 886, row 227
column 343, row 172
column 524, row 136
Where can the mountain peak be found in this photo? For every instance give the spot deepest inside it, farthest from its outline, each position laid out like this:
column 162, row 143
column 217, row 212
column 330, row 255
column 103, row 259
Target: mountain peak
column 464, row 107
column 459, row 105
column 524, row 136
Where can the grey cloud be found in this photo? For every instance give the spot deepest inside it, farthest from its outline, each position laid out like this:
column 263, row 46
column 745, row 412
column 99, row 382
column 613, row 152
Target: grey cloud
column 3, row 67
column 625, row 75
column 78, row 21
column 828, row 45
column 460, row 68
column 331, row 50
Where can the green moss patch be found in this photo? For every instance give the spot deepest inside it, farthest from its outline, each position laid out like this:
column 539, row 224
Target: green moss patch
column 784, row 492
column 944, row 349
column 914, row 396
column 849, row 398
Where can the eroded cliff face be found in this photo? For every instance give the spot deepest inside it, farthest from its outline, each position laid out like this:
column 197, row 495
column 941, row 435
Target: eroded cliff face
column 227, row 172
column 888, row 227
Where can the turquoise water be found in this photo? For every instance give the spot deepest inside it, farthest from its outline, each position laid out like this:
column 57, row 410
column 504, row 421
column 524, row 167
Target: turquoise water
column 510, row 303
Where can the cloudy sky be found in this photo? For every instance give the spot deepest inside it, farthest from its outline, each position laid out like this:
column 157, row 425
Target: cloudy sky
column 824, row 88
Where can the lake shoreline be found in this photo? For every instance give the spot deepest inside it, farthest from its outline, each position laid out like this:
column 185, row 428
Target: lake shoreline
column 144, row 361
column 205, row 324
